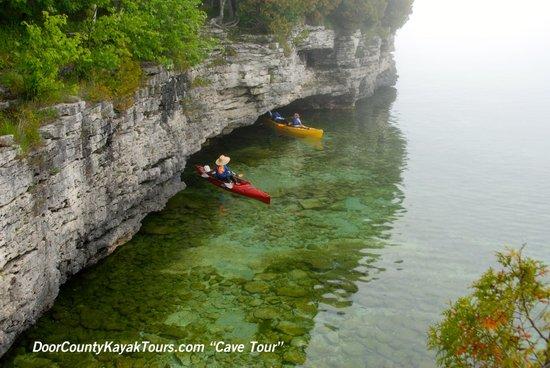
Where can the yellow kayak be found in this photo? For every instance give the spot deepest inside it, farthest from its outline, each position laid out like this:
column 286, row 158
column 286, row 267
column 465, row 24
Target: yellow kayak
column 305, row 132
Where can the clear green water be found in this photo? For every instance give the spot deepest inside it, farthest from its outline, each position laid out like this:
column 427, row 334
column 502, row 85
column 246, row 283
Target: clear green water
column 212, row 266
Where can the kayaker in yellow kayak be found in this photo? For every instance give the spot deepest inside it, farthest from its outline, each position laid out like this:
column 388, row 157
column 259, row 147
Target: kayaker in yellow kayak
column 296, row 122
column 277, row 117
column 223, row 172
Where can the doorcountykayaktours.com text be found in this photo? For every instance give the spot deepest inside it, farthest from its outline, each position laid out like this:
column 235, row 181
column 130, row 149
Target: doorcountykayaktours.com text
column 149, row 347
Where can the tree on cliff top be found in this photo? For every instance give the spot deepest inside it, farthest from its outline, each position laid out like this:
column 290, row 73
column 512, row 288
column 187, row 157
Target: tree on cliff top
column 50, row 50
column 504, row 323
column 277, row 16
column 104, row 35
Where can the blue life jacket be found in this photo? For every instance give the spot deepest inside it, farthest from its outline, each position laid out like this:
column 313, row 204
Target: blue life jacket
column 296, row 121
column 225, row 174
column 277, row 116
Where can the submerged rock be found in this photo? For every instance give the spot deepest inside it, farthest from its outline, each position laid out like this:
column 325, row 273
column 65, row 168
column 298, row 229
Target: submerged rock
column 266, row 313
column 266, row 276
column 256, row 287
column 311, row 203
column 298, row 342
column 320, row 263
column 294, row 356
column 290, row 328
column 293, row 291
column 307, row 308
column 297, row 274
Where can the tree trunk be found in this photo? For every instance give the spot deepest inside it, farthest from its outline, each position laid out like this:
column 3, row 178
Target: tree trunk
column 222, row 8
column 233, row 8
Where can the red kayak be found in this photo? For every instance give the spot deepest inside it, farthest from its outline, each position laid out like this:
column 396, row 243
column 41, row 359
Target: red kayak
column 241, row 187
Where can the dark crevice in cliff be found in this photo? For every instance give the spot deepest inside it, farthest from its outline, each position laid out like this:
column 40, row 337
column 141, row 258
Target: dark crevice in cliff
column 318, row 58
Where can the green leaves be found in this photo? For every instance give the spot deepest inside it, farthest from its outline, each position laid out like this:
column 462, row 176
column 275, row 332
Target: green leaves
column 23, row 123
column 503, row 323
column 397, row 13
column 279, row 16
column 51, row 49
column 46, row 50
column 166, row 32
column 104, row 36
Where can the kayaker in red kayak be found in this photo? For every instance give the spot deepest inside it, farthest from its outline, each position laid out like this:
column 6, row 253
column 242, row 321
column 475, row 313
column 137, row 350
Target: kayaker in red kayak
column 223, row 172
column 240, row 186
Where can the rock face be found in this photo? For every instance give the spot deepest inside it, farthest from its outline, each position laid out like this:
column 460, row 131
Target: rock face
column 97, row 173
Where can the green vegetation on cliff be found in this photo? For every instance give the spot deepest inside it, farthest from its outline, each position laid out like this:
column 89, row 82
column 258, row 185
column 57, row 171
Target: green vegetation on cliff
column 49, row 46
column 50, row 50
column 280, row 16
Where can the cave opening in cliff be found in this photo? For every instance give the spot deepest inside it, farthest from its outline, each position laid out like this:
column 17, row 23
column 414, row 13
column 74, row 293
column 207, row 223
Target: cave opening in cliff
column 317, row 58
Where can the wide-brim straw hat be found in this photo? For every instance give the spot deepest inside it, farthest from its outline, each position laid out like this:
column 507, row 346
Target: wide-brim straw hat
column 223, row 160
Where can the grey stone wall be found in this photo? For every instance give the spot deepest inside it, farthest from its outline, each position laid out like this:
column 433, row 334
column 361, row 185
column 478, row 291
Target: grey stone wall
column 98, row 173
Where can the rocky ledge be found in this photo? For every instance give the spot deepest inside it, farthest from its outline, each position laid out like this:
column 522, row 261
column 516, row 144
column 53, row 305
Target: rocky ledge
column 98, row 173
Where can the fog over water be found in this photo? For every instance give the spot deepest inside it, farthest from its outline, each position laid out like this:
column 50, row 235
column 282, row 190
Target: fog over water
column 473, row 104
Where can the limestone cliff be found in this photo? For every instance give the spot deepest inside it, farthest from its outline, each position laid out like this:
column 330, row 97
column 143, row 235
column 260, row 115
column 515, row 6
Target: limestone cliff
column 97, row 173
